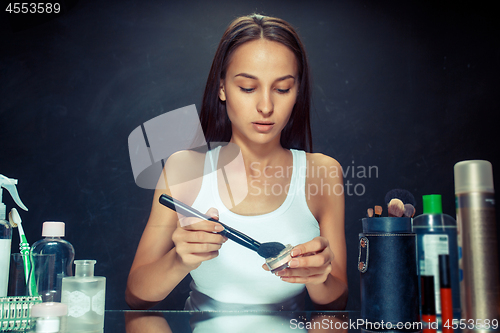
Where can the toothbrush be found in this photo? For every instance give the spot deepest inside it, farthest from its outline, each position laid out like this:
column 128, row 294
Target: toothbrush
column 24, row 247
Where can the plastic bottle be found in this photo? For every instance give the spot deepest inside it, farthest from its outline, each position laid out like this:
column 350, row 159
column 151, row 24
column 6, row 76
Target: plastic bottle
column 49, row 317
column 84, row 294
column 437, row 234
column 475, row 204
column 6, row 231
column 5, row 240
column 53, row 244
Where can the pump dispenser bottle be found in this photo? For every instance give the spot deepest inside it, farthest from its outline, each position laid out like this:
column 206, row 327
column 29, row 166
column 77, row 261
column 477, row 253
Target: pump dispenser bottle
column 437, row 235
column 84, row 294
column 6, row 231
column 5, row 240
column 60, row 266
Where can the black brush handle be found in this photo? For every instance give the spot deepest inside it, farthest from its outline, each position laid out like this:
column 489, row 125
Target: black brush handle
column 228, row 232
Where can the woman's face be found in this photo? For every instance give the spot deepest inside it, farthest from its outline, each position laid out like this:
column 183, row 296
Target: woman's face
column 260, row 90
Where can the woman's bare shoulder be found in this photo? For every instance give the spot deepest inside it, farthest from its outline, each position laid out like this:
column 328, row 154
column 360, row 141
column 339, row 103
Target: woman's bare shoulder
column 186, row 163
column 322, row 160
column 184, row 173
column 324, row 184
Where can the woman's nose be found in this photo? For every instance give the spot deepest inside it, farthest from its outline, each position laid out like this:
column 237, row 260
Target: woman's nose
column 265, row 104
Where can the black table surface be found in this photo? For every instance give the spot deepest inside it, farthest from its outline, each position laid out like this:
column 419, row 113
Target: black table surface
column 151, row 321
column 229, row 321
column 249, row 322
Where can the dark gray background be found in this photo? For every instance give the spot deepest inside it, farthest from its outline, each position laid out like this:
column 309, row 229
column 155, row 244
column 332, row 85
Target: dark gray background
column 406, row 86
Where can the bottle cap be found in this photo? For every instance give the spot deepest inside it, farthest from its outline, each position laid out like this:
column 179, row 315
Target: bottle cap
column 432, row 204
column 428, row 295
column 49, row 309
column 10, row 185
column 473, row 176
column 84, row 268
column 444, row 271
column 53, row 229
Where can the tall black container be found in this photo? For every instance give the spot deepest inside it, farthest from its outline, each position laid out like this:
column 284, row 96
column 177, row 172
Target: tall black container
column 389, row 279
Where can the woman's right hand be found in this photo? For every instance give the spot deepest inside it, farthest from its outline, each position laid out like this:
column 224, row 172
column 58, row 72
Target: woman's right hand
column 198, row 240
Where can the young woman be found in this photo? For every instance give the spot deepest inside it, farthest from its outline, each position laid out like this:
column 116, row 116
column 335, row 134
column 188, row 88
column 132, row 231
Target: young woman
column 257, row 98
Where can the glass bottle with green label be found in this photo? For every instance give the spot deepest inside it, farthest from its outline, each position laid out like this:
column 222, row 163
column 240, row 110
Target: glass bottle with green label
column 437, row 234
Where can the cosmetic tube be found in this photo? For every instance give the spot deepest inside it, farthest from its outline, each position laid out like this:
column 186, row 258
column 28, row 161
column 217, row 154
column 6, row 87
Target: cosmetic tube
column 428, row 303
column 445, row 293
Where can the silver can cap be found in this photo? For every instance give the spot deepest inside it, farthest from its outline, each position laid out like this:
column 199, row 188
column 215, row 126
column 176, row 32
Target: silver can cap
column 473, row 176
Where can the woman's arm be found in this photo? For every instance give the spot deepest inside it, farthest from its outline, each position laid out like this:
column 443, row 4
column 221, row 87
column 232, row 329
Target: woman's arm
column 155, row 270
column 321, row 262
column 167, row 252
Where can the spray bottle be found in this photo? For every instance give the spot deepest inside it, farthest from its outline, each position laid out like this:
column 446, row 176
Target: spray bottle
column 6, row 231
column 475, row 204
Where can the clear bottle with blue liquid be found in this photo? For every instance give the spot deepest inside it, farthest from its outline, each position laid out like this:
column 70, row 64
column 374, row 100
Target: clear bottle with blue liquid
column 52, row 260
column 437, row 234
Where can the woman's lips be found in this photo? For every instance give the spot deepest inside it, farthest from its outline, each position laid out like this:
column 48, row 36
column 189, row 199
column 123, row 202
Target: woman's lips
column 263, row 127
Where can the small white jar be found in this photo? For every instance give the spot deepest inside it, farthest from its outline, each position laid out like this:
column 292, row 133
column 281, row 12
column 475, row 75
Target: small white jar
column 49, row 316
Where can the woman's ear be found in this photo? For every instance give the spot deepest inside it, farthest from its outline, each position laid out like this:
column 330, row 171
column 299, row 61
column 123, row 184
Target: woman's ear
column 222, row 92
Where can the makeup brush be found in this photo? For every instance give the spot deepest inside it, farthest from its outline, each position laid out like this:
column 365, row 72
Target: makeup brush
column 378, row 211
column 409, row 210
column 396, row 208
column 369, row 212
column 406, row 197
column 402, row 195
column 265, row 250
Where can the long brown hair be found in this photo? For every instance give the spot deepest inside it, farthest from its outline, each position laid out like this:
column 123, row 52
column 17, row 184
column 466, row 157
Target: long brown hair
column 213, row 116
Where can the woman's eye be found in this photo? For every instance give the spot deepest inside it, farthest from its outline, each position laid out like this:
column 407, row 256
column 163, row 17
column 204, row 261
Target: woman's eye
column 283, row 91
column 247, row 90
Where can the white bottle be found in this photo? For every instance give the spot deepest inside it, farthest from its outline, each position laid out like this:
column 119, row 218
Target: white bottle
column 6, row 231
column 84, row 294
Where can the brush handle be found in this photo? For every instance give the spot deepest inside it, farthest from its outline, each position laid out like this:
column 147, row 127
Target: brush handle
column 24, row 248
column 228, row 232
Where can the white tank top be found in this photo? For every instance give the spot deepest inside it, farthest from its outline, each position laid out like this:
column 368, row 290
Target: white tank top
column 236, row 275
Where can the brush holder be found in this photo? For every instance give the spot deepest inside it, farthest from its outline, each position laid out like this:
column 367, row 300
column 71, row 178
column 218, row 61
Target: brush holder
column 388, row 268
column 387, row 225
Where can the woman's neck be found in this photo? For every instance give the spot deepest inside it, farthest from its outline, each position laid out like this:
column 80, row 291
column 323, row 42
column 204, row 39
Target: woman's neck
column 259, row 156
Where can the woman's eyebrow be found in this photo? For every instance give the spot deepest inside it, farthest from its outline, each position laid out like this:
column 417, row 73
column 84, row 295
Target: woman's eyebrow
column 249, row 76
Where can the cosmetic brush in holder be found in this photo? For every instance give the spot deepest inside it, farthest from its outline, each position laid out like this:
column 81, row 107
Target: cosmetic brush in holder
column 388, row 267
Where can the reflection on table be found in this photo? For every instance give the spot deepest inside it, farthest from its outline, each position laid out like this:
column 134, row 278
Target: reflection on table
column 117, row 321
column 236, row 322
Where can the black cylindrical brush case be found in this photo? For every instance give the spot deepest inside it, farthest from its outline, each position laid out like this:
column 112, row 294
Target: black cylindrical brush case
column 388, row 268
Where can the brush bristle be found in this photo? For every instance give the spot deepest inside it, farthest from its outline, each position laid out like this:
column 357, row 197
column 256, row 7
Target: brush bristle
column 409, row 210
column 396, row 208
column 11, row 221
column 270, row 250
column 378, row 210
column 402, row 195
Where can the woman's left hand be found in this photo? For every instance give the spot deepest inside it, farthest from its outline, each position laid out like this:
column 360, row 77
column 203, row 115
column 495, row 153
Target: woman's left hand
column 310, row 264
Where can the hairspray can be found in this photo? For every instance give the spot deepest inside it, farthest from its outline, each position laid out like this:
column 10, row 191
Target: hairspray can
column 475, row 203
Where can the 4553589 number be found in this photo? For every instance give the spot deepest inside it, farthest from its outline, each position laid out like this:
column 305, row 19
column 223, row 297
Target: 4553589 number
column 472, row 324
column 33, row 8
